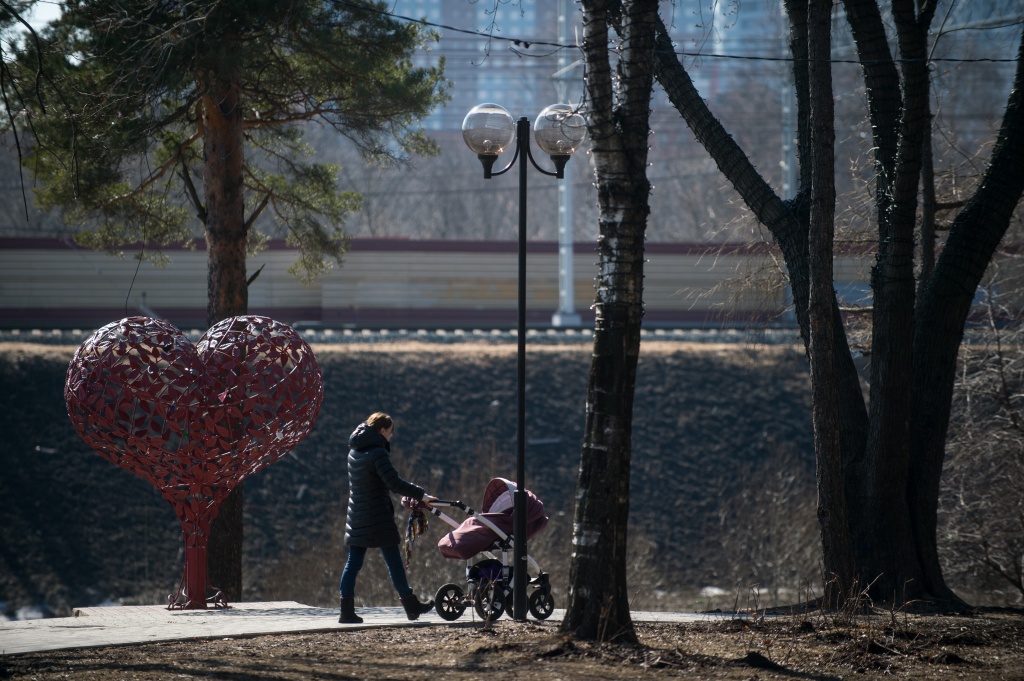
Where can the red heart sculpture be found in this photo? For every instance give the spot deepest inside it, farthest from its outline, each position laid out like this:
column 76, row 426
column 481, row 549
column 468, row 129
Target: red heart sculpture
column 194, row 420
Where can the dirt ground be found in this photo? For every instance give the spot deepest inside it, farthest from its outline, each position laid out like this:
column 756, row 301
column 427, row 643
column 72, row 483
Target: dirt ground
column 886, row 645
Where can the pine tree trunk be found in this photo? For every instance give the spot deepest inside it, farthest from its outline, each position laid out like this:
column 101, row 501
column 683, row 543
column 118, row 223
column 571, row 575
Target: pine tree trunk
column 223, row 158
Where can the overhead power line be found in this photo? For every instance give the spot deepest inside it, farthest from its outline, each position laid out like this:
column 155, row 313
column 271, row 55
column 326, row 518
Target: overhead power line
column 527, row 43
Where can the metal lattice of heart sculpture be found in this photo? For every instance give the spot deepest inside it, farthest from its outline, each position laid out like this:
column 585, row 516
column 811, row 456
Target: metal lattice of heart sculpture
column 194, row 420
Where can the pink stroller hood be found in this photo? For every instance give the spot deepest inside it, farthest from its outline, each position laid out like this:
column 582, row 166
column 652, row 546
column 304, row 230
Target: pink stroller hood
column 499, row 495
column 472, row 536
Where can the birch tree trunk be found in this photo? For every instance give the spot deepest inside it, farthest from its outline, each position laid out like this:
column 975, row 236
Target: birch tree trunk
column 598, row 607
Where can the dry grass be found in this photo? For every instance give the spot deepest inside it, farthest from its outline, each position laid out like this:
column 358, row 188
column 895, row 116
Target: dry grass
column 807, row 646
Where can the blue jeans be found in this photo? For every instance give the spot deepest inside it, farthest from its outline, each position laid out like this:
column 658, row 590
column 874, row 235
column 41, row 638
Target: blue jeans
column 393, row 559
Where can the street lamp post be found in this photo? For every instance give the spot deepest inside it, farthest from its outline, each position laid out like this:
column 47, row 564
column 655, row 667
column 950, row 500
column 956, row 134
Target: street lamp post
column 488, row 130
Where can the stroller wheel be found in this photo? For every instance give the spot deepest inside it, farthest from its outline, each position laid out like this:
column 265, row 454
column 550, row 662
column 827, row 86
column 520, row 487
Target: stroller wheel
column 450, row 602
column 541, row 604
column 489, row 601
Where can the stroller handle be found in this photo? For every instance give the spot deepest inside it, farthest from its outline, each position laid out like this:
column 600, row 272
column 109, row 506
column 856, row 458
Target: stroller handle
column 465, row 508
column 449, row 502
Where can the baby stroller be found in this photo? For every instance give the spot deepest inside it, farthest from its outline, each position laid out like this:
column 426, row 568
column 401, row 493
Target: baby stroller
column 489, row 580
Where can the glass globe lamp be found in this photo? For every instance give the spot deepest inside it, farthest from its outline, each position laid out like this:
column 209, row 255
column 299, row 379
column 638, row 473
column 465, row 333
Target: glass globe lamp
column 488, row 129
column 559, row 131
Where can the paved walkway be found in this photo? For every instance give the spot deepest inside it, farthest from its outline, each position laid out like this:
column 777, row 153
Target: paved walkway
column 124, row 625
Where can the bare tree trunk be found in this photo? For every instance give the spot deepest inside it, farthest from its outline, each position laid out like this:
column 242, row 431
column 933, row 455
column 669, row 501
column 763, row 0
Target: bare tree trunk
column 598, row 606
column 789, row 225
column 891, row 484
column 928, row 205
column 945, row 303
column 880, row 530
column 223, row 159
column 832, row 516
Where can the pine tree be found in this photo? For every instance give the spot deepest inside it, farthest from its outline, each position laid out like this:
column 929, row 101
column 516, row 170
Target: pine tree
column 187, row 118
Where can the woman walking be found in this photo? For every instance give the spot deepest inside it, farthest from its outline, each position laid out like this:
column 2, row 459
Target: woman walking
column 371, row 514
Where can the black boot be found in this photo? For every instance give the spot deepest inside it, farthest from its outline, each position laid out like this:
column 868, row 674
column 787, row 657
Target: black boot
column 348, row 612
column 413, row 607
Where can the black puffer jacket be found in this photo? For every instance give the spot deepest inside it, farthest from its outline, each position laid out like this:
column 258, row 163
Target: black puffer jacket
column 371, row 476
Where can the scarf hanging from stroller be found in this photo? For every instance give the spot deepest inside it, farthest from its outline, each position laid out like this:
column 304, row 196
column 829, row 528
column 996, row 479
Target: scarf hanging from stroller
column 416, row 526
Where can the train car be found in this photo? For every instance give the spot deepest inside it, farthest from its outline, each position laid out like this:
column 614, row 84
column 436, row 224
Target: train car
column 393, row 283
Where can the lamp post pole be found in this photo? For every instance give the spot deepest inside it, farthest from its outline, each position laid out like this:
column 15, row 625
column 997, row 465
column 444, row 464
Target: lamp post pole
column 487, row 130
column 519, row 499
